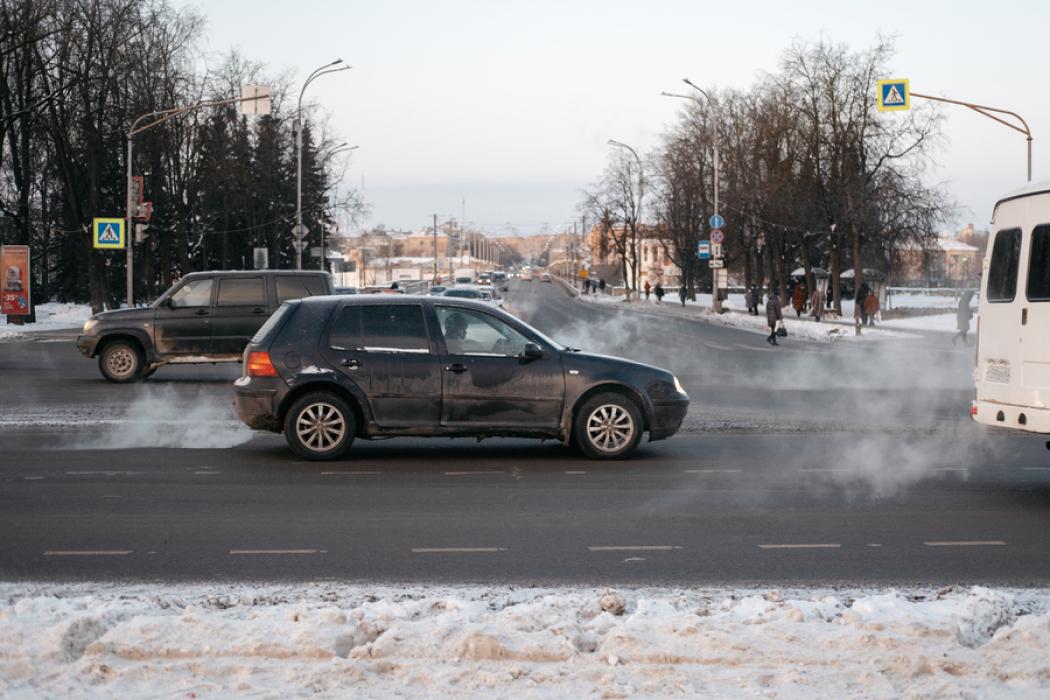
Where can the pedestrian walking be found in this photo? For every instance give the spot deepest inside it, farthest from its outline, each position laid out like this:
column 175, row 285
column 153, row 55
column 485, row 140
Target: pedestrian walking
column 798, row 299
column 816, row 304
column 659, row 291
column 963, row 314
column 773, row 317
column 752, row 300
column 871, row 307
column 601, row 285
column 682, row 293
column 647, row 288
column 858, row 312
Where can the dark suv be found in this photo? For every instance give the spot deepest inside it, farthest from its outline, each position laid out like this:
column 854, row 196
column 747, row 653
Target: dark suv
column 329, row 369
column 205, row 317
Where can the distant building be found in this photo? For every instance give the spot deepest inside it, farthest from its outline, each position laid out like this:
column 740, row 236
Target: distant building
column 946, row 261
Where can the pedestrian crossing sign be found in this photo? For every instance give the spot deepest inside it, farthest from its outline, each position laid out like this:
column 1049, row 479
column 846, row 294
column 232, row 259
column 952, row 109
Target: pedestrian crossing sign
column 108, row 233
column 894, row 95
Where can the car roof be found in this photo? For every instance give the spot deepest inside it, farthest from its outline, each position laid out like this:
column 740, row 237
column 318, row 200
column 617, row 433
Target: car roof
column 388, row 299
column 252, row 273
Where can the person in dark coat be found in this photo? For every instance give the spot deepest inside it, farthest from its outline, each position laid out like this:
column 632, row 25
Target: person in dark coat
column 659, row 291
column 682, row 292
column 773, row 316
column 752, row 300
column 601, row 284
column 963, row 314
column 647, row 289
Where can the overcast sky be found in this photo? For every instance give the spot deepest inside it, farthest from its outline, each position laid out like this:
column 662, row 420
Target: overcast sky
column 509, row 104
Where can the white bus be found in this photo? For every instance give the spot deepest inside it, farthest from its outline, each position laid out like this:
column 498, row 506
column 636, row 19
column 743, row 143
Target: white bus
column 1013, row 332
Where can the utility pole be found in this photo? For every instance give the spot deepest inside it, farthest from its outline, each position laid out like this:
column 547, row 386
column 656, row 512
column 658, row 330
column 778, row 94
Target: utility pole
column 716, row 299
column 435, row 248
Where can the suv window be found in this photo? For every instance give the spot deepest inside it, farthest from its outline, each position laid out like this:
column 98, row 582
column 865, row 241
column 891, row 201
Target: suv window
column 1039, row 264
column 297, row 287
column 469, row 332
column 390, row 328
column 1002, row 271
column 242, row 291
column 193, row 293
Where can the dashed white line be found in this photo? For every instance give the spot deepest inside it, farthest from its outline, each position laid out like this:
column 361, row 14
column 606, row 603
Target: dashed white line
column 828, row 471
column 575, row 472
column 712, row 471
column 87, row 552
column 800, row 546
column 208, row 473
column 457, row 550
column 967, row 543
column 101, row 472
column 277, row 551
column 474, row 473
column 32, row 478
column 352, row 473
column 1029, row 469
column 635, row 548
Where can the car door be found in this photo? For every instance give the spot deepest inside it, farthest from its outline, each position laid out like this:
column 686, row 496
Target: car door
column 182, row 321
column 240, row 310
column 485, row 381
column 297, row 287
column 386, row 351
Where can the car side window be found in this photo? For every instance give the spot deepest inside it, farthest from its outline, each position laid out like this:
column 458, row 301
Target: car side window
column 297, row 287
column 394, row 328
column 1039, row 264
column 1002, row 271
column 345, row 333
column 193, row 293
column 242, row 291
column 469, row 332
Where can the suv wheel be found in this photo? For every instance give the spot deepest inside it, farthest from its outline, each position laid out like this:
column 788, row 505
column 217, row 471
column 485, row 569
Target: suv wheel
column 121, row 361
column 319, row 426
column 608, row 426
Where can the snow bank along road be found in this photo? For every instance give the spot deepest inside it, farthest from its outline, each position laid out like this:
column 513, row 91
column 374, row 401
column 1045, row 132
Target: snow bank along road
column 432, row 641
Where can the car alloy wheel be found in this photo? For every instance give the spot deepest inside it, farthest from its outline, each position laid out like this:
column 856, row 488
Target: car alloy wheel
column 610, row 428
column 320, row 426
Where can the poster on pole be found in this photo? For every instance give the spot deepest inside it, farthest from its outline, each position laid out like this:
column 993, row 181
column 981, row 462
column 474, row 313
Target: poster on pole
column 15, row 282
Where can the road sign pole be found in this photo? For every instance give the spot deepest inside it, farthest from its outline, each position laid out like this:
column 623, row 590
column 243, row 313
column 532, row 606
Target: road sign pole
column 127, row 229
column 716, row 302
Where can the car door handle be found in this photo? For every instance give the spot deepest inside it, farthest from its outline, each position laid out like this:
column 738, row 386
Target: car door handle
column 202, row 312
column 351, row 363
column 258, row 311
column 1024, row 317
column 456, row 367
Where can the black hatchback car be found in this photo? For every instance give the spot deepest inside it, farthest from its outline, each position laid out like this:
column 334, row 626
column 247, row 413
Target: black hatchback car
column 326, row 370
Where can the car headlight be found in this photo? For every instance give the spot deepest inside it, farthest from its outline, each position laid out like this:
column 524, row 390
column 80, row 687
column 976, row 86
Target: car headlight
column 89, row 324
column 678, row 386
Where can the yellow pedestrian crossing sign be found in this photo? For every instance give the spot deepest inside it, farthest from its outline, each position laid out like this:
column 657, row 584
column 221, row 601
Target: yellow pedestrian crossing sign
column 894, row 95
column 108, row 233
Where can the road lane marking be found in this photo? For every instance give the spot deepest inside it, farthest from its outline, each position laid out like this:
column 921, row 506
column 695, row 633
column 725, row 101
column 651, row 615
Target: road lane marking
column 352, row 473
column 477, row 473
column 32, row 478
column 799, row 546
column 716, row 346
column 277, row 551
column 635, row 548
column 457, row 550
column 712, row 471
column 87, row 552
column 874, row 545
column 207, row 473
column 576, row 472
column 967, row 543
column 953, row 469
column 828, row 471
column 1027, row 469
column 103, row 472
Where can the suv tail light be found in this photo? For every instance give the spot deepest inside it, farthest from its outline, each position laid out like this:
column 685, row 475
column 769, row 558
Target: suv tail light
column 259, row 365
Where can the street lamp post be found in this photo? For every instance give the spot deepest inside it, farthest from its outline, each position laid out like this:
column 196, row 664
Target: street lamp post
column 260, row 98
column 323, row 70
column 637, row 212
column 341, row 148
column 716, row 301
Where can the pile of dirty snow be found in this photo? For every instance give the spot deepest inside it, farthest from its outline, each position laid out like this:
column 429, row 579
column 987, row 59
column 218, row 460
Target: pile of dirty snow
column 52, row 316
column 191, row 640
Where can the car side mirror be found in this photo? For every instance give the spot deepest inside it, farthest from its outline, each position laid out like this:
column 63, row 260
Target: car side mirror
column 531, row 352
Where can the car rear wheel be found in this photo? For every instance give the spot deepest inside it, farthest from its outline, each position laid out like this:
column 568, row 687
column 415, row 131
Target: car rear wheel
column 121, row 361
column 608, row 426
column 319, row 426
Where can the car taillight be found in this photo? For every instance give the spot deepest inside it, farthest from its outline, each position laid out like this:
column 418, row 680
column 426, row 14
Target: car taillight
column 259, row 365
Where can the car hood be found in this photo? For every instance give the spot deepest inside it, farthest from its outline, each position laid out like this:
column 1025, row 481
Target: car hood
column 121, row 316
column 594, row 362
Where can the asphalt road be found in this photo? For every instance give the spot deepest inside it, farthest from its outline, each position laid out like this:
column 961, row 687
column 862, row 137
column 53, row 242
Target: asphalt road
column 926, row 498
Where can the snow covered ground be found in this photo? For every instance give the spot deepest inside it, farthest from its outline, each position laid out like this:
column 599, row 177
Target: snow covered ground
column 52, row 316
column 212, row 640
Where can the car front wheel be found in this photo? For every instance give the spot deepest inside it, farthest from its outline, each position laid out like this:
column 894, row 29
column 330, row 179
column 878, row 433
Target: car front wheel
column 121, row 361
column 608, row 426
column 319, row 426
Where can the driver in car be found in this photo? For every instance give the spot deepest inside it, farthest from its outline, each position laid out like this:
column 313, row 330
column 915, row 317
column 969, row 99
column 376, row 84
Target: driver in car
column 456, row 334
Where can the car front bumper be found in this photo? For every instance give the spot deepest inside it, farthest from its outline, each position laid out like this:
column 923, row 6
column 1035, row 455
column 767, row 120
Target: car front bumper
column 86, row 344
column 667, row 418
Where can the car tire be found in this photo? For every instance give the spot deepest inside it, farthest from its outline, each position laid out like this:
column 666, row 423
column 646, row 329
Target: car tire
column 121, row 361
column 320, row 426
column 608, row 426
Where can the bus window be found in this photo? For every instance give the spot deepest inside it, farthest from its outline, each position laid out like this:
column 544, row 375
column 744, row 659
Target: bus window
column 1039, row 264
column 1002, row 272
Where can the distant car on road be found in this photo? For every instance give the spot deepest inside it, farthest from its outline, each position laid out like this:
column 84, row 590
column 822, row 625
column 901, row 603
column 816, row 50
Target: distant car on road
column 325, row 371
column 545, row 277
column 205, row 317
column 436, row 290
column 346, row 290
